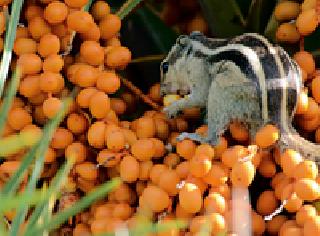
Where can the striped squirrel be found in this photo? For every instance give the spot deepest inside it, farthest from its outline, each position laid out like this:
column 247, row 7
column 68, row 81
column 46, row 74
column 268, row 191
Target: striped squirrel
column 244, row 78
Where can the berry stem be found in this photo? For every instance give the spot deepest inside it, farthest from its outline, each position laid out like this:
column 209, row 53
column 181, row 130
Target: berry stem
column 140, row 94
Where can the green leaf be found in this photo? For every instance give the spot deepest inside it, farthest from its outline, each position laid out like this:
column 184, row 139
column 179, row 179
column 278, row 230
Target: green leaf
column 6, row 104
column 154, row 38
column 55, row 186
column 9, row 41
column 224, row 17
column 259, row 15
column 39, row 162
column 127, row 7
column 88, row 5
column 13, row 143
column 270, row 30
column 83, row 203
column 12, row 185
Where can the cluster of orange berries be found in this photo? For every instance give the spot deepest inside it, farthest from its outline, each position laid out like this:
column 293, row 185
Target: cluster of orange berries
column 297, row 20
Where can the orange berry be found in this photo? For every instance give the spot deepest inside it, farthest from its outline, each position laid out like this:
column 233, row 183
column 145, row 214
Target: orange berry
column 205, row 149
column 87, row 170
column 154, row 92
column 51, row 106
column 51, row 82
column 122, row 211
column 86, row 76
column 266, row 203
column 115, row 140
column 306, row 61
column 312, row 227
column 81, row 230
column 287, row 225
column 215, row 202
column 287, row 10
column 22, row 32
column 159, row 148
column 186, row 149
column 289, row 161
column 29, row 63
column 108, row 82
column 305, row 213
column 109, row 26
column 313, row 109
column 287, row 32
column 92, row 34
column 182, row 169
column 55, row 12
column 267, row 136
column 217, row 175
column 293, row 203
column 38, row 27
column 239, row 132
column 267, row 168
column 129, row 169
column 76, row 150
column 99, row 105
column 33, row 11
column 49, row 44
column 307, row 22
column 18, row 118
column 190, row 198
column 30, row 86
column 143, row 149
column 118, row 106
column 242, row 174
column 222, row 189
column 96, row 134
column 76, row 3
column 79, row 21
column 168, row 181
column 315, row 86
column 273, row 226
column 53, row 63
column 99, row 10
column 77, row 123
column 145, row 168
column 92, row 52
column 145, row 127
column 306, row 169
column 108, row 158
column 233, row 155
column 60, row 30
column 84, row 97
column 302, row 103
column 61, row 138
column 156, row 171
column 24, row 46
column 258, row 224
column 307, row 189
column 118, row 57
column 200, row 165
column 221, row 147
column 156, row 198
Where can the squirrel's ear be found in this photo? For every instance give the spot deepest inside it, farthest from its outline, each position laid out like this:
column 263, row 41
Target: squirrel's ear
column 196, row 34
column 183, row 40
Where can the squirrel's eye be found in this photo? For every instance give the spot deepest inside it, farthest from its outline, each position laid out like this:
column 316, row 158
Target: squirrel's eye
column 165, row 67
